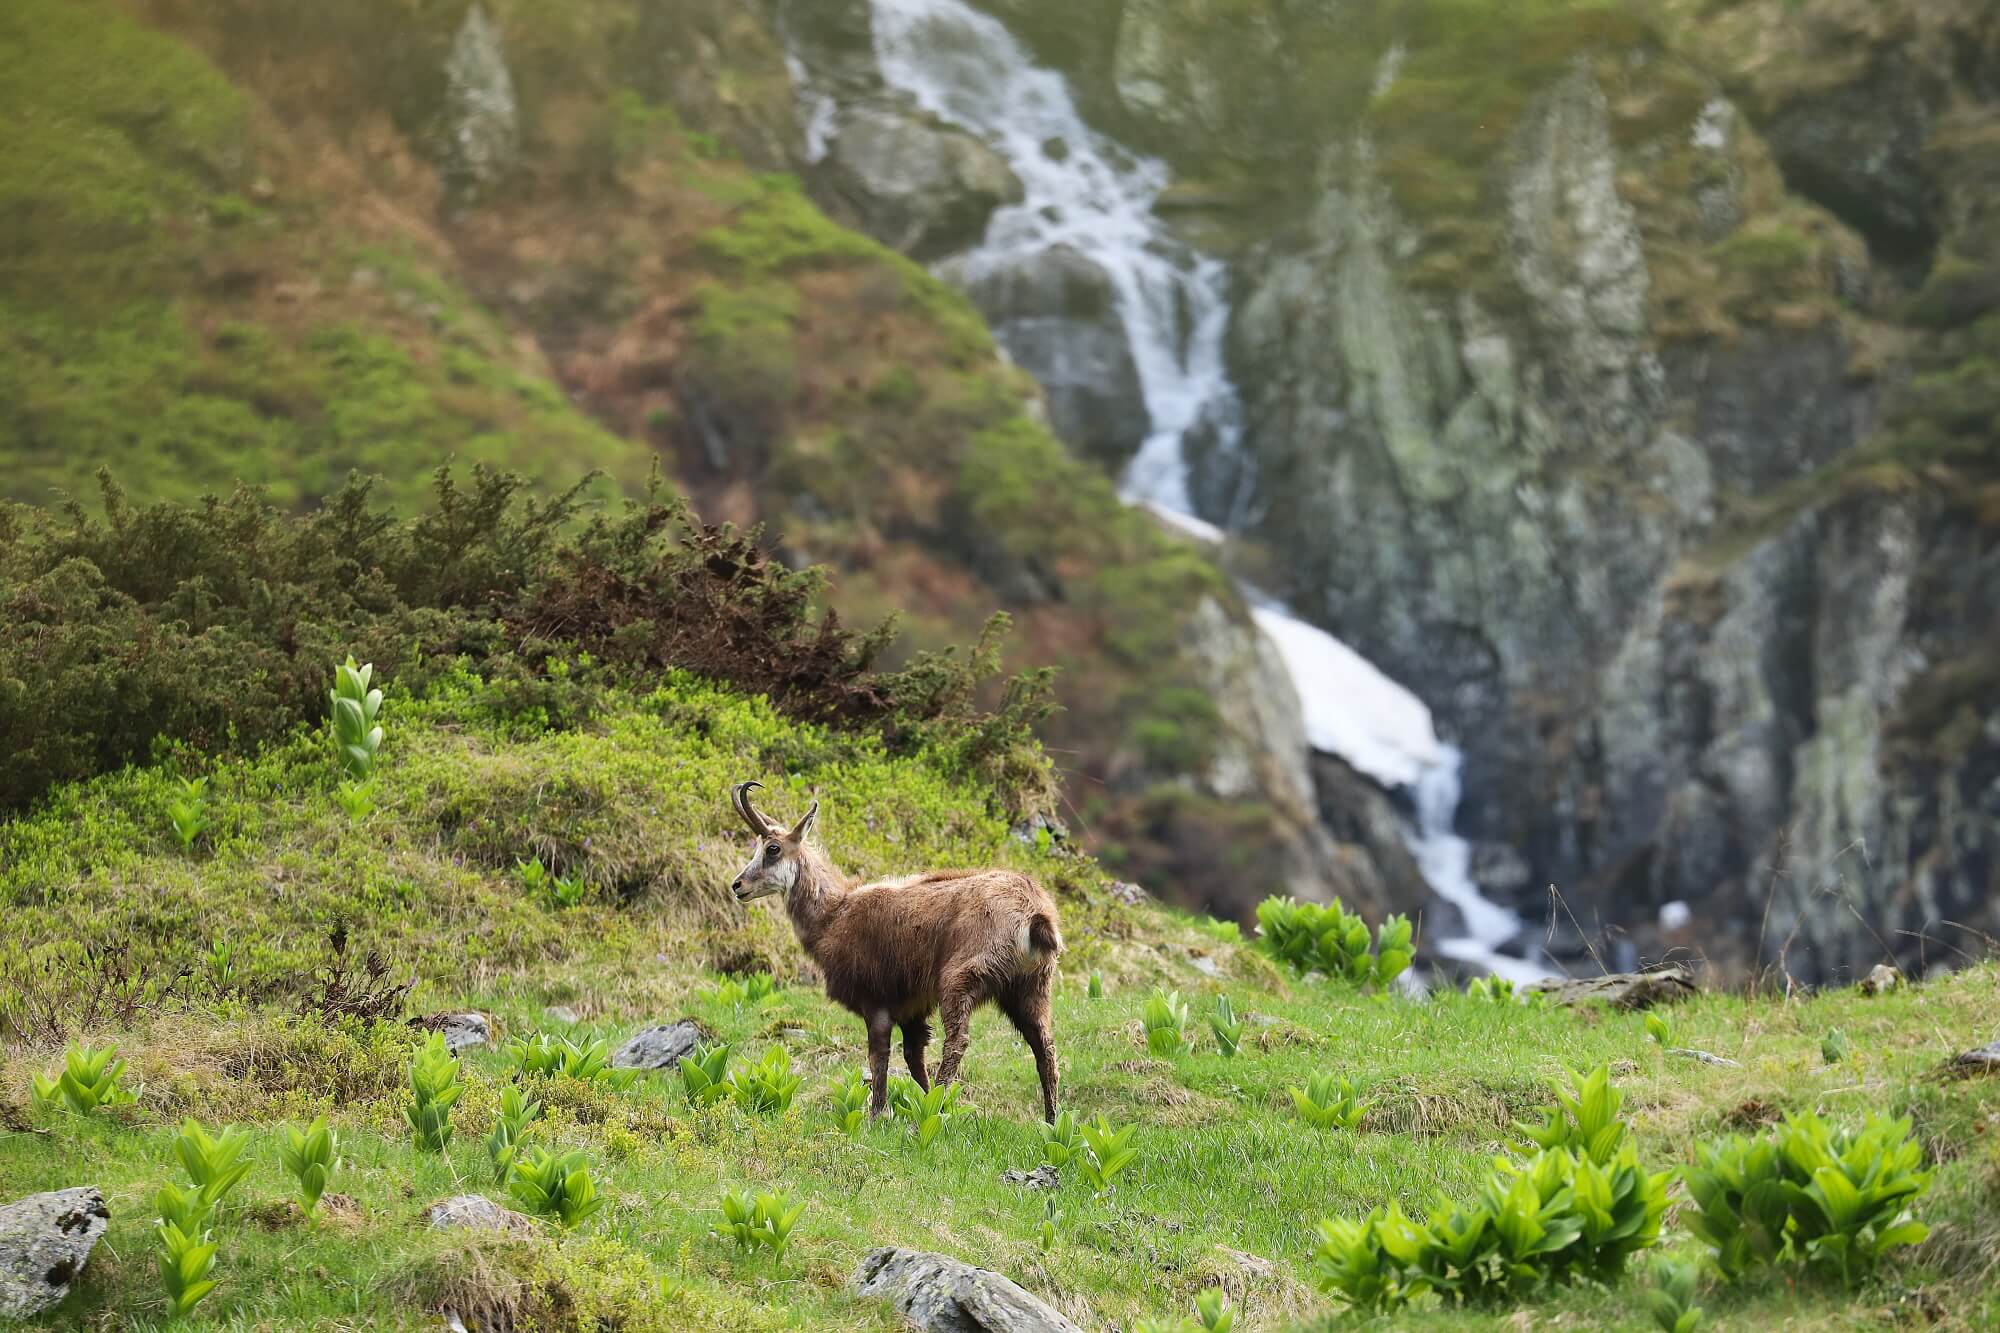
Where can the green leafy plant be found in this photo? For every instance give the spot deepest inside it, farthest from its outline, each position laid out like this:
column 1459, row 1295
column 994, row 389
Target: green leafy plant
column 925, row 1110
column 356, row 799
column 549, row 889
column 555, row 1185
column 1835, row 1199
column 752, row 988
column 1329, row 1102
column 1052, row 1216
column 309, row 1154
column 541, row 1055
column 764, row 1220
column 1328, row 938
column 89, row 1078
column 768, row 1085
column 1165, row 1016
column 1106, row 1152
column 1096, row 988
column 1060, row 1140
column 704, row 1075
column 850, row 1102
column 1225, row 932
column 1834, row 1046
column 1500, row 990
column 186, row 1258
column 1584, row 1119
column 1659, row 1027
column 187, row 810
column 434, row 1086
column 1556, row 1218
column 355, row 707
column 215, row 1163
column 510, row 1127
column 222, row 965
column 1670, row 1298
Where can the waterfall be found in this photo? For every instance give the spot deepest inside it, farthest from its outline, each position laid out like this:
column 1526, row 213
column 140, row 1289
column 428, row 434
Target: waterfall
column 1086, row 192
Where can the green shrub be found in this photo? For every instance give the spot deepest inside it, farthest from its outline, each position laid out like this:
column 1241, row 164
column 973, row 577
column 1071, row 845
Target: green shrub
column 1837, row 1200
column 1584, row 1118
column 1553, row 1219
column 89, row 1078
column 850, row 1102
column 510, row 1127
column 557, row 1186
column 1165, row 1017
column 768, row 1085
column 1670, row 1299
column 763, row 1220
column 1330, row 939
column 1106, row 1152
column 1061, row 1140
column 1228, row 1028
column 356, row 736
column 434, row 1087
column 925, row 1110
column 187, row 812
column 309, row 1155
column 704, row 1075
column 210, row 624
column 1328, row 1103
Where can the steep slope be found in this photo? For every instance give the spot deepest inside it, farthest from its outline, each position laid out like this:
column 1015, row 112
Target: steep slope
column 392, row 235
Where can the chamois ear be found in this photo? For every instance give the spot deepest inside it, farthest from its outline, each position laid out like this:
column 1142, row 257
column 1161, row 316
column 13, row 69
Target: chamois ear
column 800, row 829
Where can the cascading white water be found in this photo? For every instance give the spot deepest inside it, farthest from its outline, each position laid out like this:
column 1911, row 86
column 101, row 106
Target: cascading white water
column 1083, row 191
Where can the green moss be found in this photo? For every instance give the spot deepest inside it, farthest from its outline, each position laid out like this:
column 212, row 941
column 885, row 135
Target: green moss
column 1768, row 253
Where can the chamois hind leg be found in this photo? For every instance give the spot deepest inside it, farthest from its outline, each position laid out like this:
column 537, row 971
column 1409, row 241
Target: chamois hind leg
column 916, row 1036
column 878, row 1061
column 955, row 1003
column 1026, row 1005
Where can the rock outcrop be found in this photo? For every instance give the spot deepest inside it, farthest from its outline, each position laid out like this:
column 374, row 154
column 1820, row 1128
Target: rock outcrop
column 924, row 188
column 939, row 1294
column 45, row 1240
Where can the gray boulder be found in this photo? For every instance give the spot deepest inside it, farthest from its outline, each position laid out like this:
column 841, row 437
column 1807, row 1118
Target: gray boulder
column 45, row 1240
column 659, row 1047
column 921, row 188
column 938, row 1294
column 473, row 1212
column 1056, row 313
column 462, row 1032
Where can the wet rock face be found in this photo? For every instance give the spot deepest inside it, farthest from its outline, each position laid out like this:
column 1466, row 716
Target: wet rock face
column 1056, row 314
column 922, row 188
column 481, row 125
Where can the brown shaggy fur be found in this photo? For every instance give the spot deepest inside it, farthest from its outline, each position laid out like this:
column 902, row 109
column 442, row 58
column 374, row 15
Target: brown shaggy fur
column 897, row 950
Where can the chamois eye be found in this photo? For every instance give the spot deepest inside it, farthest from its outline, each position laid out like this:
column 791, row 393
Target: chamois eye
column 773, row 852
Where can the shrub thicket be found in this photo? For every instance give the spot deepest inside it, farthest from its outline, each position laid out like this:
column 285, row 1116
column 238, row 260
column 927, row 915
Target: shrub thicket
column 211, row 625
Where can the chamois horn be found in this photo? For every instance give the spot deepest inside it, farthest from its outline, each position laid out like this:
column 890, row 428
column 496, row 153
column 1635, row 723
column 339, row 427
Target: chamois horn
column 739, row 796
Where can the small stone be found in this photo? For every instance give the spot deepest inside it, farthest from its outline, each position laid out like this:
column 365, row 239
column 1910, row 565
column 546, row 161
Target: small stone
column 475, row 1212
column 1043, row 1177
column 1206, row 966
column 1984, row 1060
column 1128, row 893
column 561, row 1013
column 939, row 1294
column 660, row 1047
column 45, row 1240
column 462, row 1032
column 1881, row 979
column 1704, row 1057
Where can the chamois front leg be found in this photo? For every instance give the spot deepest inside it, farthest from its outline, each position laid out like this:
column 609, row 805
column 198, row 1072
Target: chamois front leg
column 878, row 1061
column 955, row 1008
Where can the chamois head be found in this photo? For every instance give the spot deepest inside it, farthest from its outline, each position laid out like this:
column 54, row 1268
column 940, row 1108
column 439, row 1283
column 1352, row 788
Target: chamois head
column 774, row 859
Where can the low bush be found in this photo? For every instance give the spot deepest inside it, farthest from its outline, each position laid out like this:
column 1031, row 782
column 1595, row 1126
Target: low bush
column 1328, row 938
column 1837, row 1200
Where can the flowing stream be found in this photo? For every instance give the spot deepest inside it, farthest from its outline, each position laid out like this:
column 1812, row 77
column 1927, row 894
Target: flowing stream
column 1086, row 192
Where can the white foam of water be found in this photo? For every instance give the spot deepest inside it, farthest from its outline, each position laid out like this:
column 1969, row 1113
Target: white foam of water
column 817, row 108
column 1351, row 709
column 1446, row 860
column 1083, row 191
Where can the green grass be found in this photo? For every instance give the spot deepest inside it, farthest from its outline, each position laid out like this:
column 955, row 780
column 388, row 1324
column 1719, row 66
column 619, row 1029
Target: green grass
column 635, row 804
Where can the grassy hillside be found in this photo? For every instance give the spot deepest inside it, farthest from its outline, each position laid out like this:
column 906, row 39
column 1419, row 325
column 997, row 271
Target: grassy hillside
column 207, row 968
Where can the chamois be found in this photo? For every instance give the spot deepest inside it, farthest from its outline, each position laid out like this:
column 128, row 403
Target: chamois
column 894, row 950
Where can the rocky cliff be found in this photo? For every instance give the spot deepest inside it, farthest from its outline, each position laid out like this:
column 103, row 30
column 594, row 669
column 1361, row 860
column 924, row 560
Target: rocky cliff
column 1623, row 379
